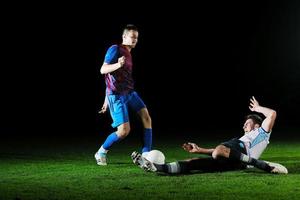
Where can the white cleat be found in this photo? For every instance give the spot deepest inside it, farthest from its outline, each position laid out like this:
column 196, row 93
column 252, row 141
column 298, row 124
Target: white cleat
column 277, row 168
column 100, row 159
column 142, row 162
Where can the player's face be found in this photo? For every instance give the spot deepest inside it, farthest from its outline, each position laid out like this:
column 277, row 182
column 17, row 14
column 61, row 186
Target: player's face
column 248, row 125
column 130, row 38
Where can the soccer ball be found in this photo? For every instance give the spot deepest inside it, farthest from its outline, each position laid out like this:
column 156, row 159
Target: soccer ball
column 155, row 156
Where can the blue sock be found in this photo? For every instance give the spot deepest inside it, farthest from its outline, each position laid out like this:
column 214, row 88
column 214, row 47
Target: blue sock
column 110, row 140
column 147, row 140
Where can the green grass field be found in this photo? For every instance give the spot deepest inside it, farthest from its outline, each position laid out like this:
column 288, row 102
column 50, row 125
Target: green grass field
column 66, row 169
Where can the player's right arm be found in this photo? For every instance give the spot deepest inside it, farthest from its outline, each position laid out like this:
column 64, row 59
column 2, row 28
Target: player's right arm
column 108, row 68
column 112, row 61
column 104, row 106
column 270, row 114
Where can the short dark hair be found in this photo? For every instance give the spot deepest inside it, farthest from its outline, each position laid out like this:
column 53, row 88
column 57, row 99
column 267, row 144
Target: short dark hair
column 256, row 118
column 129, row 27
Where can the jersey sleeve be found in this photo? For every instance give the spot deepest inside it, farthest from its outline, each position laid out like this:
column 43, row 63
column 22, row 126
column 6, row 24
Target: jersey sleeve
column 261, row 130
column 111, row 55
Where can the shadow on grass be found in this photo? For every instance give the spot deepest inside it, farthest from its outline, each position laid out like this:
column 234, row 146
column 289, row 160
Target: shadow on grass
column 294, row 168
column 119, row 163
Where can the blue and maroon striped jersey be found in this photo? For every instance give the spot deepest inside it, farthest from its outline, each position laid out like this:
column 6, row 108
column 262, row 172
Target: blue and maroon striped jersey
column 119, row 81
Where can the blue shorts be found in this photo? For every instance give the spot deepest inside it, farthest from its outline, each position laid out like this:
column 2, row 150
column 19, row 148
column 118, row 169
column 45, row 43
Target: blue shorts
column 119, row 105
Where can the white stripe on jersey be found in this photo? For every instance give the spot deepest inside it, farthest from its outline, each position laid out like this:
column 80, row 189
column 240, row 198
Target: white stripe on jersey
column 256, row 142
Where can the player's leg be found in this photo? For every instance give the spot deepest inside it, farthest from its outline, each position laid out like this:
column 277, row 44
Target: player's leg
column 207, row 164
column 260, row 164
column 234, row 151
column 122, row 132
column 147, row 135
column 137, row 104
column 186, row 166
column 119, row 113
column 199, row 165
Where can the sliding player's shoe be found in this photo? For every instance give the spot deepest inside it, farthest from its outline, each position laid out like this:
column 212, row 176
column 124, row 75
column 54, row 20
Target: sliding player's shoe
column 277, row 168
column 142, row 162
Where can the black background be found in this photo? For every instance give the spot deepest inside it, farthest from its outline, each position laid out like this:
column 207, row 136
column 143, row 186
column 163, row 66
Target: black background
column 196, row 64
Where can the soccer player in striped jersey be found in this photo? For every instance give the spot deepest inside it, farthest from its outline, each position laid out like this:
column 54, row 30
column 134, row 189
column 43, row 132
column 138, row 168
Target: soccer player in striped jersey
column 121, row 96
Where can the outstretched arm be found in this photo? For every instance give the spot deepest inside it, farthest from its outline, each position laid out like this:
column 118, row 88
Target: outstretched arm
column 193, row 148
column 270, row 114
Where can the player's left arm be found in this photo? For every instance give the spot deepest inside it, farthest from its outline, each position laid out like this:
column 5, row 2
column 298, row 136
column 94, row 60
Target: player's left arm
column 270, row 114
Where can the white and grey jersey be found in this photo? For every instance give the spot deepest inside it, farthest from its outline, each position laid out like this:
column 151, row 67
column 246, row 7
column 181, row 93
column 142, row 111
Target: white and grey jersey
column 256, row 142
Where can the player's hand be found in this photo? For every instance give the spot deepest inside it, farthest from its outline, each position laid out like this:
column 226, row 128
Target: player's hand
column 103, row 109
column 253, row 104
column 121, row 61
column 190, row 147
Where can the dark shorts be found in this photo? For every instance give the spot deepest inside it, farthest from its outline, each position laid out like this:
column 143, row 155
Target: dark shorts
column 236, row 144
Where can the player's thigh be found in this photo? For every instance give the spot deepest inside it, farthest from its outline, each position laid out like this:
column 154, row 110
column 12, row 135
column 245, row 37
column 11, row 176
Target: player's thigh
column 144, row 113
column 118, row 110
column 135, row 102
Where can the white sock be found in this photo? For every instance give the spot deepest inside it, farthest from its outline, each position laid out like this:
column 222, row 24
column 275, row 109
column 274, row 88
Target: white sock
column 173, row 167
column 102, row 150
column 245, row 158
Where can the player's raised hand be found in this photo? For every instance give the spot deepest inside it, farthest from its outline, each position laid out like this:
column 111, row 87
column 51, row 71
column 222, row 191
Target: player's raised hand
column 253, row 104
column 191, row 147
column 121, row 60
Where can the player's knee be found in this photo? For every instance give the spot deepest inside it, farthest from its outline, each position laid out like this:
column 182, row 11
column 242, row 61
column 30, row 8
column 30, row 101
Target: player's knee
column 123, row 131
column 219, row 152
column 215, row 154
